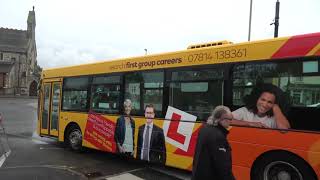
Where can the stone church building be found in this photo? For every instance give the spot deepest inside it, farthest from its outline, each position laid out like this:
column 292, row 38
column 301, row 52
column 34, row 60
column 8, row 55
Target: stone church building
column 19, row 71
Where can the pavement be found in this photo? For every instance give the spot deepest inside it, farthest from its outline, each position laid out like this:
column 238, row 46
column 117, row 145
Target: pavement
column 47, row 172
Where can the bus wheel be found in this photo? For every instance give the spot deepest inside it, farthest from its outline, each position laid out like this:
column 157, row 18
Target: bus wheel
column 74, row 138
column 282, row 166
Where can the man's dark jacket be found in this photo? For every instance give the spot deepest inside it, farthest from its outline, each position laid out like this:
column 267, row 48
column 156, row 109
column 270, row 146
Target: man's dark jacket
column 157, row 152
column 212, row 158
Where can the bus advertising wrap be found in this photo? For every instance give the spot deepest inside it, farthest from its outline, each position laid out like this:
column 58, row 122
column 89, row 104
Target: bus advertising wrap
column 100, row 132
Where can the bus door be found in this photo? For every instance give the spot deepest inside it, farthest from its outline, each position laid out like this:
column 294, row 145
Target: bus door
column 50, row 108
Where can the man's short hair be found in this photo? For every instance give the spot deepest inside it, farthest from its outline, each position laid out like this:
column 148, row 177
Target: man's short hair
column 149, row 106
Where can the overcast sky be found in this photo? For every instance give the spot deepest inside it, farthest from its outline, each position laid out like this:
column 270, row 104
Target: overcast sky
column 71, row 32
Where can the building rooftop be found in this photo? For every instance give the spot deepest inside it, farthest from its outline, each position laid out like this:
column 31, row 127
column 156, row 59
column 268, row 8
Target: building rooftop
column 13, row 40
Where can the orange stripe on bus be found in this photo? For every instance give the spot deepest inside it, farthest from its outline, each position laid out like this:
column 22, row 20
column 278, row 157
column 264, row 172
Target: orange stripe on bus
column 293, row 48
column 317, row 53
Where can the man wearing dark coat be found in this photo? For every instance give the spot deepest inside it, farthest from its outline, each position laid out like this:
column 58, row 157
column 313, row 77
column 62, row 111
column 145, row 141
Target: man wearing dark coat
column 212, row 158
column 151, row 142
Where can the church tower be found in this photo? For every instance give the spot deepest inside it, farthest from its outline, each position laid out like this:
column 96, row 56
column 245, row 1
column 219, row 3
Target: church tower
column 31, row 24
column 19, row 70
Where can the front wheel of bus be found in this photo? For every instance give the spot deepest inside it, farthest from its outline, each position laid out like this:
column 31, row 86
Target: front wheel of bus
column 74, row 138
column 282, row 166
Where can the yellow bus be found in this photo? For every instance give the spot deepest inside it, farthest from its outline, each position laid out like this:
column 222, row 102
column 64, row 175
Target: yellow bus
column 80, row 104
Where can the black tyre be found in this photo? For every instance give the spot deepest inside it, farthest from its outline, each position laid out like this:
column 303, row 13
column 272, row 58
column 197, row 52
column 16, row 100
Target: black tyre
column 282, row 166
column 74, row 138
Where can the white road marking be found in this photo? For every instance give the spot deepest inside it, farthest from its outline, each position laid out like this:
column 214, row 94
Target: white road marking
column 4, row 157
column 34, row 105
column 126, row 176
column 109, row 177
column 174, row 173
column 38, row 141
column 50, row 148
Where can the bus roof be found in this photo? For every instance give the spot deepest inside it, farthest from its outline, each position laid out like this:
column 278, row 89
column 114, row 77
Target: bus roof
column 277, row 48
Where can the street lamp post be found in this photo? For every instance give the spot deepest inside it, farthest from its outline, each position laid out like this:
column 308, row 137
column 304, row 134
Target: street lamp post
column 250, row 17
column 276, row 19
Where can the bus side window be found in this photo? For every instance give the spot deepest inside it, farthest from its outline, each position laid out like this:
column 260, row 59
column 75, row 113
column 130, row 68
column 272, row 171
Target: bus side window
column 105, row 94
column 75, row 92
column 196, row 91
column 144, row 88
column 299, row 80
